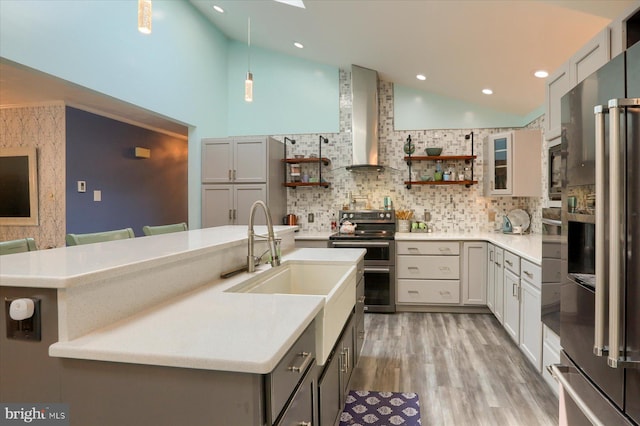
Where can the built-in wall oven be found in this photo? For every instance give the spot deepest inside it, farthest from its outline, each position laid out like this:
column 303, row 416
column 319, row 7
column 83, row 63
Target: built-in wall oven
column 374, row 232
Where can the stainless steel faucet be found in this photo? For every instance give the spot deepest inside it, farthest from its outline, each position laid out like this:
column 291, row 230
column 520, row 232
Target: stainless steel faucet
column 271, row 239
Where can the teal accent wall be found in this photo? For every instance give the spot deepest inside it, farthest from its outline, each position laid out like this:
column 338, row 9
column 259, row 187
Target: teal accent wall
column 291, row 95
column 179, row 71
column 417, row 110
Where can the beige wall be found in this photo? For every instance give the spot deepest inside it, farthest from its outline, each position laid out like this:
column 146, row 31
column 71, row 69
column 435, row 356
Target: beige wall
column 42, row 126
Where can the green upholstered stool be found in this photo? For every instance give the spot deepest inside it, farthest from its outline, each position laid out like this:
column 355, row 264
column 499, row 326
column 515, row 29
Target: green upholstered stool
column 17, row 246
column 164, row 229
column 99, row 237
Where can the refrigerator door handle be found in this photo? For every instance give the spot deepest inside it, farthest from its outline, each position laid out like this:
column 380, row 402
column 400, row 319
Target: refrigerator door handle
column 601, row 284
column 616, row 106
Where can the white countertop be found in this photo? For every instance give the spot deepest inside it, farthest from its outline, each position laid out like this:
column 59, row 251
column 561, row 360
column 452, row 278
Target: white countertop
column 528, row 246
column 69, row 266
column 210, row 329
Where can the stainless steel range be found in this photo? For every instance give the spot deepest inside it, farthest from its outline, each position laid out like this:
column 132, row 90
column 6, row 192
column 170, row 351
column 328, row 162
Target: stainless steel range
column 375, row 232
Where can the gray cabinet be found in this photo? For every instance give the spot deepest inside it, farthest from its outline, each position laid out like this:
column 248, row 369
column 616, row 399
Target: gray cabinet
column 513, row 164
column 234, row 160
column 512, row 305
column 236, row 172
column 491, row 277
column 231, row 204
column 334, row 380
column 359, row 333
column 498, row 302
column 474, row 274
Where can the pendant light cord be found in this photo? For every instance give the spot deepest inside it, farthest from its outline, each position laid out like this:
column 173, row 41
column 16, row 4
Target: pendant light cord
column 249, row 44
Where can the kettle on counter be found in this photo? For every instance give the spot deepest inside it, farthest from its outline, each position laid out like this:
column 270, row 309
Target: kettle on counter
column 290, row 219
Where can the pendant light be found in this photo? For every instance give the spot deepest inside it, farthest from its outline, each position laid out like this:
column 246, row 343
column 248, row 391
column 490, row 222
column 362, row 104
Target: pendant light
column 248, row 83
column 144, row 16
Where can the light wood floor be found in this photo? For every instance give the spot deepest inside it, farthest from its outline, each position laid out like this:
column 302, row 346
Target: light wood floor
column 464, row 367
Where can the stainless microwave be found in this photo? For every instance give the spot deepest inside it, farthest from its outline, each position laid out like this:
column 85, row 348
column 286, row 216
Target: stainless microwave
column 555, row 172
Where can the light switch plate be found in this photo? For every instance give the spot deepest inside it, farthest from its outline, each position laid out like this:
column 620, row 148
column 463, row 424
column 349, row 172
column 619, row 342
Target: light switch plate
column 97, row 195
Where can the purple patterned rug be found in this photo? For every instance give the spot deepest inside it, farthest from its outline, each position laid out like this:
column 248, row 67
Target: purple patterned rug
column 366, row 408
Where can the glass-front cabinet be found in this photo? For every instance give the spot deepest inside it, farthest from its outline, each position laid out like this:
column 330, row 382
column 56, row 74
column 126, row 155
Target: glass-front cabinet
column 512, row 164
column 501, row 168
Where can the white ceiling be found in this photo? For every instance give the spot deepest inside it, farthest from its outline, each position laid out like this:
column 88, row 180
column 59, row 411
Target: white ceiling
column 462, row 47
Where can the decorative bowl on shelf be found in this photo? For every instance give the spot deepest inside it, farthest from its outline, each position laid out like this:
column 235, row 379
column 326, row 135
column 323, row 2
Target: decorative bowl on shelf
column 433, row 152
column 426, row 178
column 299, row 156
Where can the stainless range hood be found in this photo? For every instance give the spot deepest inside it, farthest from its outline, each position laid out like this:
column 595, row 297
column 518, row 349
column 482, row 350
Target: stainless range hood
column 364, row 119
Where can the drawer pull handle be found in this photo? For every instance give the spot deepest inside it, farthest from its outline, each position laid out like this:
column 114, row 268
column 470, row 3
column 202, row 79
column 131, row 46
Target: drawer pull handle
column 362, row 299
column 508, row 262
column 445, row 269
column 527, row 273
column 413, row 268
column 304, row 424
column 445, row 293
column 413, row 249
column 305, row 363
column 444, row 249
column 414, row 292
column 499, row 265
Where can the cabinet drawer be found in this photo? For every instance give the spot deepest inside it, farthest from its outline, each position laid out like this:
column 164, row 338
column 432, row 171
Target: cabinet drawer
column 429, row 267
column 429, row 291
column 446, row 248
column 551, row 250
column 290, row 370
column 512, row 262
column 531, row 273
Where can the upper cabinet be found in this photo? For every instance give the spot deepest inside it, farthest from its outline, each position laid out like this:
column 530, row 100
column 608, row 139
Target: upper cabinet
column 558, row 84
column 513, row 163
column 584, row 62
column 234, row 160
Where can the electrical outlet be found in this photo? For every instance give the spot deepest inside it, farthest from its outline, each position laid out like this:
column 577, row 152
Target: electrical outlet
column 310, row 218
column 82, row 186
column 492, row 216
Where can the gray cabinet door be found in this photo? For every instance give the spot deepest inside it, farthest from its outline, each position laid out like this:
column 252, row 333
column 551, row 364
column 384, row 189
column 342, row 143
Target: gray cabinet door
column 491, row 277
column 245, row 196
column 300, row 409
column 512, row 305
column 217, row 205
column 329, row 398
column 217, row 161
column 250, row 160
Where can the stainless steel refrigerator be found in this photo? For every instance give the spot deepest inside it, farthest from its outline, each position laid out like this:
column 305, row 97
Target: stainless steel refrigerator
column 600, row 290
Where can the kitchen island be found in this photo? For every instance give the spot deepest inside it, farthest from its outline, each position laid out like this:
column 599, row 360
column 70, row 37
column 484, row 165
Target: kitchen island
column 148, row 322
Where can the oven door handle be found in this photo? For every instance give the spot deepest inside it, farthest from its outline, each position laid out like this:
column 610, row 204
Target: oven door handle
column 552, row 222
column 359, row 244
column 384, row 270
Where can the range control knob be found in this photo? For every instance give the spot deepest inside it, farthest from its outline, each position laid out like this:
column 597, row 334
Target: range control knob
column 382, row 215
column 351, row 216
column 388, row 215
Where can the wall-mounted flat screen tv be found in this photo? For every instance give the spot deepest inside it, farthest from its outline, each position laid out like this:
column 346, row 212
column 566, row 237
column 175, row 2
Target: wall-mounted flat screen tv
column 18, row 186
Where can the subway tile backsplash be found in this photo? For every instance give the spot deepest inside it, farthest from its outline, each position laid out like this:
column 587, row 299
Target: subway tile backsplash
column 453, row 208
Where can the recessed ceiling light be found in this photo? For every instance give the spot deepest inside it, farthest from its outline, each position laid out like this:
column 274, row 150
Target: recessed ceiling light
column 298, row 45
column 541, row 74
column 218, row 8
column 421, row 77
column 487, row 91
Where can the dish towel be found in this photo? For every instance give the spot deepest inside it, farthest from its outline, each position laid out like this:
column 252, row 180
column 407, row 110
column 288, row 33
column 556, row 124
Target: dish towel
column 368, row 408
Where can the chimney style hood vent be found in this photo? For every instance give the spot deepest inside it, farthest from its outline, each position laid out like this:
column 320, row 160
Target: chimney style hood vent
column 364, row 119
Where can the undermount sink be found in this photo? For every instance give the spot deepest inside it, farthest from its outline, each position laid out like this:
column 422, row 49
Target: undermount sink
column 333, row 281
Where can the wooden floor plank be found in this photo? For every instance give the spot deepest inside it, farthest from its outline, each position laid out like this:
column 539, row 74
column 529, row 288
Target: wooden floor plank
column 465, row 368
